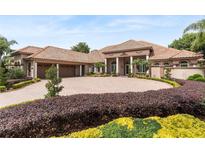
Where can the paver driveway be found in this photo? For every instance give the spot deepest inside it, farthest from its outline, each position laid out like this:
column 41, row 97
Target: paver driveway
column 82, row 85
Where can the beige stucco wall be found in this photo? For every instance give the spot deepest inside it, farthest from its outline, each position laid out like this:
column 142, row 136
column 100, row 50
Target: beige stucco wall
column 184, row 73
column 178, row 73
column 157, row 72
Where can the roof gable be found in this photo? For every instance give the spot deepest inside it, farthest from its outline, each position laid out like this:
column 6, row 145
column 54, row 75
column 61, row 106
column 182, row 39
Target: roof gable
column 55, row 53
column 125, row 46
column 29, row 50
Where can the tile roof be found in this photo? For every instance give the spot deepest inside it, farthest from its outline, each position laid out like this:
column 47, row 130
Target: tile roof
column 55, row 53
column 160, row 52
column 28, row 50
column 128, row 45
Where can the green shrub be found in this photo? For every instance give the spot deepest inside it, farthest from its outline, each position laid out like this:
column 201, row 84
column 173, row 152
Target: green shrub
column 173, row 83
column 175, row 126
column 90, row 73
column 2, row 88
column 193, row 77
column 16, row 73
column 53, row 82
column 24, row 83
column 196, row 77
column 3, row 77
column 37, row 79
column 167, row 74
column 200, row 79
column 190, row 78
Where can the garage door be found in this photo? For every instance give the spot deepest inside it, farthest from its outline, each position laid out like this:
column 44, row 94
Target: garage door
column 42, row 69
column 66, row 70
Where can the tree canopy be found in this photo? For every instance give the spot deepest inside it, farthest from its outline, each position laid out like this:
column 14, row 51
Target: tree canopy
column 184, row 42
column 5, row 46
column 194, row 41
column 81, row 47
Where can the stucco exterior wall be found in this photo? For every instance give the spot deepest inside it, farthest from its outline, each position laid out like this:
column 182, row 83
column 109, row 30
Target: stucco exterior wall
column 184, row 73
column 178, row 73
column 157, row 72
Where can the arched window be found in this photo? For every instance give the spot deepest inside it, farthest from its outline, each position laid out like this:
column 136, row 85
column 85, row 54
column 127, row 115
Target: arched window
column 166, row 64
column 184, row 64
column 113, row 67
column 156, row 64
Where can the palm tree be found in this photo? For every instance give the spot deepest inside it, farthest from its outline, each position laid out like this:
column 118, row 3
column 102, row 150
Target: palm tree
column 5, row 46
column 99, row 65
column 140, row 62
column 199, row 26
column 199, row 43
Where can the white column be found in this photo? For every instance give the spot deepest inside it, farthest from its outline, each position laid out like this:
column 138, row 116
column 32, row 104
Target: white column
column 35, row 67
column 105, row 65
column 95, row 69
column 131, row 65
column 80, row 70
column 89, row 69
column 101, row 70
column 57, row 66
column 147, row 57
column 117, row 65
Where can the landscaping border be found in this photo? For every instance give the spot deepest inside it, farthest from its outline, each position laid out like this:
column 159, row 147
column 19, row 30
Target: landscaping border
column 19, row 85
column 60, row 115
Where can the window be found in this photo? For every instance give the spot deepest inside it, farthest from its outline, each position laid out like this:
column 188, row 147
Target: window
column 166, row 64
column 184, row 64
column 156, row 64
column 113, row 65
column 141, row 68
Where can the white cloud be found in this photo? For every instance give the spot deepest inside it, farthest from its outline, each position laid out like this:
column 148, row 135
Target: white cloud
column 142, row 22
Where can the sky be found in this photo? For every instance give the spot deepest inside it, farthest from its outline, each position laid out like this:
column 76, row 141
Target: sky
column 96, row 31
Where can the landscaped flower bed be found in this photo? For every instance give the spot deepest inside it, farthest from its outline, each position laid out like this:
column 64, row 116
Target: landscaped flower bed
column 60, row 115
column 25, row 83
column 175, row 126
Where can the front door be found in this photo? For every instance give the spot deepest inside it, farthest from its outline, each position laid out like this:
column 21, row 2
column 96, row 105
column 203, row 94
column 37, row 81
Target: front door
column 127, row 67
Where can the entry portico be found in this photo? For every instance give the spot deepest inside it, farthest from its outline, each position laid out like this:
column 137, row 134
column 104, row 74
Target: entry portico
column 121, row 62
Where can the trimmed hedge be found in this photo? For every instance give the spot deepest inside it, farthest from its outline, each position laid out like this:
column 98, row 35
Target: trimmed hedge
column 2, row 88
column 176, row 126
column 196, row 77
column 66, row 114
column 173, row 83
column 25, row 83
column 98, row 75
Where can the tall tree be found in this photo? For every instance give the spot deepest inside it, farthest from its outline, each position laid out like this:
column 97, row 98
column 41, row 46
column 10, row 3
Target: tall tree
column 198, row 27
column 5, row 46
column 185, row 42
column 81, row 47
